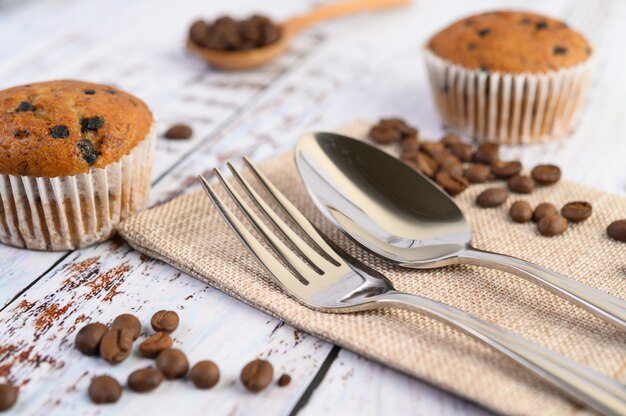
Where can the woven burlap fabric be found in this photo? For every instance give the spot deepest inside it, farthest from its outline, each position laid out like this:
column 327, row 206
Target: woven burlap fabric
column 189, row 234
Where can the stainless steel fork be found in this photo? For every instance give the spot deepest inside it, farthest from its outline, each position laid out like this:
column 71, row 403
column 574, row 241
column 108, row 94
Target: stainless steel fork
column 322, row 279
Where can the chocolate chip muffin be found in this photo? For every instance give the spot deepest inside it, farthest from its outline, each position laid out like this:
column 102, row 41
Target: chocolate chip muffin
column 509, row 76
column 71, row 152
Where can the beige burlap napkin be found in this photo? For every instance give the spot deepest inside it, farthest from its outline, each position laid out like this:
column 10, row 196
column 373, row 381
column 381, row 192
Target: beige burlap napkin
column 189, row 234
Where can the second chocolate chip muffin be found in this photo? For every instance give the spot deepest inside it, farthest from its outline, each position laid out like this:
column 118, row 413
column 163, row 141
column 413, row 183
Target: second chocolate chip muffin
column 75, row 159
column 509, row 76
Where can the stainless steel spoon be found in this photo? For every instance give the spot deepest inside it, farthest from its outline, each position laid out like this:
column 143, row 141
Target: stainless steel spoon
column 399, row 214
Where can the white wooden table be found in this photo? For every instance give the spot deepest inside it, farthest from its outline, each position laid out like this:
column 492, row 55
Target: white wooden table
column 358, row 68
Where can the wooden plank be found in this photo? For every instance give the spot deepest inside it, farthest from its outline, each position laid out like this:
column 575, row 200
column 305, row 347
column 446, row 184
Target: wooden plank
column 369, row 389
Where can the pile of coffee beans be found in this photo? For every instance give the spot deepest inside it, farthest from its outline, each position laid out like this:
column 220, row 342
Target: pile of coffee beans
column 228, row 34
column 456, row 165
column 114, row 344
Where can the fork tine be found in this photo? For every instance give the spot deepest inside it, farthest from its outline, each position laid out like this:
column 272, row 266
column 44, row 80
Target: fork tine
column 294, row 213
column 312, row 256
column 299, row 266
column 263, row 255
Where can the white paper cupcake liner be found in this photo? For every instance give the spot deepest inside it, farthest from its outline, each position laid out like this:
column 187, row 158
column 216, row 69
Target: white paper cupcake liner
column 507, row 108
column 75, row 211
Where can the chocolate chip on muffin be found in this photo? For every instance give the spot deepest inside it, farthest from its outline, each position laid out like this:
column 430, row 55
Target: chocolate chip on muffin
column 59, row 132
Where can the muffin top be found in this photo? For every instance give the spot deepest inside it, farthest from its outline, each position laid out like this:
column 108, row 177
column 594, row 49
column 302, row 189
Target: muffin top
column 62, row 128
column 510, row 41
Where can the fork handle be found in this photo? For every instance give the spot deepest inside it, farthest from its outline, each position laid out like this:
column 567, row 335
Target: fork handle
column 583, row 384
column 602, row 305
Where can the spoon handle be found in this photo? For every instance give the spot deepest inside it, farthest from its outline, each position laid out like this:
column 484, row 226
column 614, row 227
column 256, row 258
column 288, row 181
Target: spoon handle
column 585, row 385
column 603, row 305
column 331, row 11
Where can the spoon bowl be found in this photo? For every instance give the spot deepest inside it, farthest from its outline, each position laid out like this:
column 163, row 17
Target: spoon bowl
column 253, row 58
column 399, row 214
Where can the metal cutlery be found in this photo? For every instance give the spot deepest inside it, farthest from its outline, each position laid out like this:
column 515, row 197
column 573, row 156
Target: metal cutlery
column 316, row 275
column 399, row 214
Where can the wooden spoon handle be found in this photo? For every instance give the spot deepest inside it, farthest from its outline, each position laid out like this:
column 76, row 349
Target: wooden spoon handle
column 331, row 11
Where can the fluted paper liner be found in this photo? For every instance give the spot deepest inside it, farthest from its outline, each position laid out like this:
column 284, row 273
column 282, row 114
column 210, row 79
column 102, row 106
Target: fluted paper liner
column 75, row 211
column 189, row 233
column 507, row 108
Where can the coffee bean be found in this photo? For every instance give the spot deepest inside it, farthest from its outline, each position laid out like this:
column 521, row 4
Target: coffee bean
column 24, row 106
column 546, row 174
column 426, row 164
column 492, row 197
column 165, row 321
column 463, row 151
column 88, row 338
column 8, row 396
column 205, row 374
column 617, row 230
column 173, row 363
column 91, row 123
column 452, row 164
column 504, row 170
column 410, row 144
column 104, row 389
column 153, row 345
column 452, row 183
column 450, row 140
column 409, row 156
column 521, row 184
column 552, row 225
column 542, row 210
column 521, row 211
column 257, row 375
column 284, row 380
column 129, row 322
column 87, row 151
column 179, row 131
column 145, row 379
column 478, row 173
column 487, row 153
column 576, row 211
column 59, row 132
column 116, row 345
column 433, row 149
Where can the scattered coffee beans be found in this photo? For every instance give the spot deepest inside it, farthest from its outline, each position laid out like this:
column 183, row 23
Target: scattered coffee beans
column 492, row 197
column 478, row 173
column 165, row 321
column 521, row 211
column 128, row 322
column 154, row 344
column 546, row 174
column 409, row 145
column 552, row 225
column 487, row 153
column 576, row 211
column 542, row 210
column 617, row 230
column 284, row 380
column 88, row 338
column 426, row 164
column 521, row 184
column 504, row 170
column 116, row 345
column 462, row 150
column 385, row 134
column 179, row 131
column 205, row 374
column 452, row 183
column 228, row 34
column 104, row 389
column 173, row 363
column 257, row 375
column 8, row 396
column 144, row 380
column 392, row 130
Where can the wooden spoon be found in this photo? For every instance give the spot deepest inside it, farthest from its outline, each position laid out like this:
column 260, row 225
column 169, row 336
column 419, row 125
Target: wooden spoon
column 237, row 60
